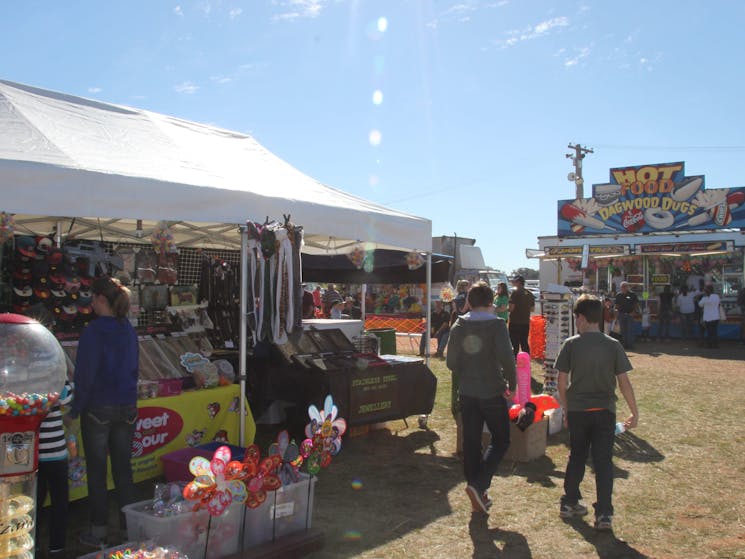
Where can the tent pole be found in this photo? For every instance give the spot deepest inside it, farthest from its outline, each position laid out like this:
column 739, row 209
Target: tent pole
column 363, row 307
column 429, row 308
column 242, row 334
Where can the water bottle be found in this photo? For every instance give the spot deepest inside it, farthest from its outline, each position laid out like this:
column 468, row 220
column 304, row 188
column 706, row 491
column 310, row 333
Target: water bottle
column 620, row 427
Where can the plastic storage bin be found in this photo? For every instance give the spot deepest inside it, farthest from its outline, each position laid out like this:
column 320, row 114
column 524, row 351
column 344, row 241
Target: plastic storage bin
column 176, row 463
column 285, row 511
column 186, row 531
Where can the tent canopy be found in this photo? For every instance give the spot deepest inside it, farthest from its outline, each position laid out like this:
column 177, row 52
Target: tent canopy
column 63, row 157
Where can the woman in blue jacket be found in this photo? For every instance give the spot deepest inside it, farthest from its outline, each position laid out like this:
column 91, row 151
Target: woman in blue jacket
column 106, row 372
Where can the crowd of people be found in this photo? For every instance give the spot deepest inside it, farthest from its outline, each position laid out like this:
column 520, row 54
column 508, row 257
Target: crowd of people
column 697, row 311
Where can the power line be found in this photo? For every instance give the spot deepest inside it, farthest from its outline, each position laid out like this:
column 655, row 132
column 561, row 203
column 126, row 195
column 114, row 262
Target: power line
column 670, row 148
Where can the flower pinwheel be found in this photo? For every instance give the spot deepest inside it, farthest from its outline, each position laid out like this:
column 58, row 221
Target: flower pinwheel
column 324, row 434
column 218, row 482
column 357, row 256
column 260, row 475
column 288, row 451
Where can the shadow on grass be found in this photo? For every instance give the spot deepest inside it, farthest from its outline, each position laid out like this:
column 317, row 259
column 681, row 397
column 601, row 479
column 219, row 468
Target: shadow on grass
column 607, row 545
column 630, row 447
column 542, row 471
column 485, row 541
column 381, row 487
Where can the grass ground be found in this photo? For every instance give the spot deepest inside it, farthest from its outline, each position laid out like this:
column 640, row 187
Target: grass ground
column 678, row 478
column 398, row 492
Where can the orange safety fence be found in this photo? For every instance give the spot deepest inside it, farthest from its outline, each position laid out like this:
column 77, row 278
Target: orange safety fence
column 404, row 325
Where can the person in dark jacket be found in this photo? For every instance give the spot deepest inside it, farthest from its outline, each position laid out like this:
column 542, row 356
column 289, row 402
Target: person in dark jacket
column 106, row 373
column 483, row 365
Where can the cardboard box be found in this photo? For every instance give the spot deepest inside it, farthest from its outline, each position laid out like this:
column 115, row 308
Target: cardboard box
column 529, row 444
column 555, row 420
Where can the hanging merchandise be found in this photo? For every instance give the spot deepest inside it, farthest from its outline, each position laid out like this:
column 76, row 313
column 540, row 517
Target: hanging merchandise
column 162, row 239
column 357, row 257
column 447, row 293
column 7, row 226
column 414, row 260
column 219, row 288
column 274, row 284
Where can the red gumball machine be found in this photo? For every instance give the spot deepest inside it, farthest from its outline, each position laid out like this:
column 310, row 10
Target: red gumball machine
column 32, row 374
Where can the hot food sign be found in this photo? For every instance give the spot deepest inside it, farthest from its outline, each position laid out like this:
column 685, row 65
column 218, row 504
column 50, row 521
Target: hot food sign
column 652, row 198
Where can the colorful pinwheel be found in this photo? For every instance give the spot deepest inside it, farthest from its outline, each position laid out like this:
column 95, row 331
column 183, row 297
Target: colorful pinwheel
column 218, row 482
column 260, row 475
column 288, row 451
column 324, row 434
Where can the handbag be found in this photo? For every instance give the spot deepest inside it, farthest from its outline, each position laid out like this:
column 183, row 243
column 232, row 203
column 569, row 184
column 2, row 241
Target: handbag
column 722, row 313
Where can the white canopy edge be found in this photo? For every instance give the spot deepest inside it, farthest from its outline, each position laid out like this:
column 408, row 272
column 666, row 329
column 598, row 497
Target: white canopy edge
column 65, row 157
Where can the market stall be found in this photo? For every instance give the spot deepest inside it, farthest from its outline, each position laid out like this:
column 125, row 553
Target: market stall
column 121, row 179
column 651, row 226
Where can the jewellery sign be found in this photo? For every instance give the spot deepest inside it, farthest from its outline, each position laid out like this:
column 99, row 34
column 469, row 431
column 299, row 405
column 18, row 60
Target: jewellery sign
column 652, row 198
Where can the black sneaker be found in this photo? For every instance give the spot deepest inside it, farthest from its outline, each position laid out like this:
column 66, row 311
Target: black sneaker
column 604, row 523
column 571, row 511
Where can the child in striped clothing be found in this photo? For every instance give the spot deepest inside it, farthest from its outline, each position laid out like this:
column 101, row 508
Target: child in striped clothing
column 53, row 472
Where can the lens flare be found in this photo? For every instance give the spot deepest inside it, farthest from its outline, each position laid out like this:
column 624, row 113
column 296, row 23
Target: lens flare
column 353, row 535
column 356, row 484
column 377, row 97
column 382, row 24
column 375, row 137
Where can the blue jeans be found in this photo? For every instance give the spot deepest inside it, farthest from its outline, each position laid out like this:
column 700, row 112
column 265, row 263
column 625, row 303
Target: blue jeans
column 442, row 341
column 591, row 432
column 479, row 467
column 105, row 431
column 627, row 322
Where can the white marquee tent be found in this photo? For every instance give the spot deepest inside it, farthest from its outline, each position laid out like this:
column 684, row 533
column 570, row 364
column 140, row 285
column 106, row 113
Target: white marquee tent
column 64, row 157
column 86, row 169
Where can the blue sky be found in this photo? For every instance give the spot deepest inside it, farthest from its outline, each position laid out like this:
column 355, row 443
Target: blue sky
column 458, row 111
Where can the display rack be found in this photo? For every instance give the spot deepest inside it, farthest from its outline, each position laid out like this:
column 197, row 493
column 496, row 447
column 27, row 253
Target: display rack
column 557, row 311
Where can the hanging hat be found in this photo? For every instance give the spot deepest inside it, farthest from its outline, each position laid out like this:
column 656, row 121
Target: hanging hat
column 85, row 309
column 41, row 288
column 84, row 296
column 85, row 282
column 72, row 284
column 40, row 268
column 82, row 266
column 26, row 246
column 43, row 245
column 24, row 291
column 55, row 256
column 58, row 294
column 22, row 275
column 68, row 312
column 21, row 307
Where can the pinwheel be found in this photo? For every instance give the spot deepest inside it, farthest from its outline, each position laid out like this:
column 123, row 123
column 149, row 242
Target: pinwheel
column 323, row 434
column 218, row 482
column 288, row 451
column 260, row 475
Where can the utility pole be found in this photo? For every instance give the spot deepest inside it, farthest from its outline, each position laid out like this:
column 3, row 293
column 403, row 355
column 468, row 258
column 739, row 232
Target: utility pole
column 576, row 176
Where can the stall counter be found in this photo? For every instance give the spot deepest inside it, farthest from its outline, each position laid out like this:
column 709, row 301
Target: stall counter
column 172, row 423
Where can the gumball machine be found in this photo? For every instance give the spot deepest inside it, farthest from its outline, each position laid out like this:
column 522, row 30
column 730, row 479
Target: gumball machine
column 32, row 374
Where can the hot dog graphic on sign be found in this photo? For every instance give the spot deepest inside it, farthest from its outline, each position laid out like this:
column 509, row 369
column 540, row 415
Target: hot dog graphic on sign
column 652, row 198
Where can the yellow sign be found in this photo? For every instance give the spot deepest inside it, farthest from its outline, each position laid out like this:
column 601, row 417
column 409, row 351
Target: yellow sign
column 167, row 424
